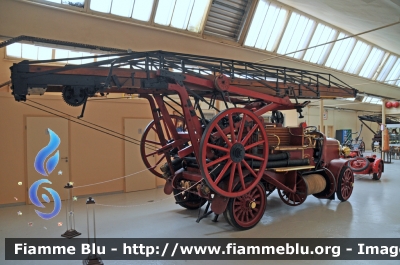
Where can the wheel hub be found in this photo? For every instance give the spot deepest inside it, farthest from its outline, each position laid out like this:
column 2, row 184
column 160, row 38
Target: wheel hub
column 252, row 204
column 237, row 152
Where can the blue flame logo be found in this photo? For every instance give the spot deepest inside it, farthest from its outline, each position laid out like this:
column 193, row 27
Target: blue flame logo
column 50, row 166
column 45, row 152
column 33, row 196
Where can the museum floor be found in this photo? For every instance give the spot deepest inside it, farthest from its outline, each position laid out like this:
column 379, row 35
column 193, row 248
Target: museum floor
column 372, row 211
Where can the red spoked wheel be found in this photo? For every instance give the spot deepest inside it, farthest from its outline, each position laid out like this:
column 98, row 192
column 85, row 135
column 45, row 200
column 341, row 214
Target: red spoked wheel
column 358, row 164
column 295, row 198
column 378, row 175
column 232, row 141
column 149, row 147
column 244, row 212
column 345, row 184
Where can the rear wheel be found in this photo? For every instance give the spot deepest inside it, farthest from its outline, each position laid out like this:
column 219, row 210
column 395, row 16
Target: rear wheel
column 295, row 198
column 244, row 212
column 149, row 146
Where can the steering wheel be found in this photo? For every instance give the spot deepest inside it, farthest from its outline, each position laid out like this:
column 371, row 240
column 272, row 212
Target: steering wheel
column 310, row 129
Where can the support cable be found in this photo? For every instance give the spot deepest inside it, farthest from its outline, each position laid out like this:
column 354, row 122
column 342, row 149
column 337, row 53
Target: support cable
column 86, row 125
column 148, row 146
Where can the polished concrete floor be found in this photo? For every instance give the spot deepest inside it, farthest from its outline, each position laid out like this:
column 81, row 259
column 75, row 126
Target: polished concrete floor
column 372, row 211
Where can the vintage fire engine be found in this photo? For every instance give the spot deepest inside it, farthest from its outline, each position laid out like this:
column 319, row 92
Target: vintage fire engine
column 231, row 162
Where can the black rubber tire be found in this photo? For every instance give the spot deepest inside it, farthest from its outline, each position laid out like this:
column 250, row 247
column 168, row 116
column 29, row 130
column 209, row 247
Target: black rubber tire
column 193, row 202
column 377, row 176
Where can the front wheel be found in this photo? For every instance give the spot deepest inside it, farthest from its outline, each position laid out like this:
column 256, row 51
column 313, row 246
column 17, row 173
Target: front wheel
column 244, row 212
column 378, row 175
column 345, row 184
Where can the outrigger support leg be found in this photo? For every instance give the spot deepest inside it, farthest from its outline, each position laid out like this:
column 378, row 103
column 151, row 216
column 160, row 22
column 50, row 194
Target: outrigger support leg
column 205, row 213
column 83, row 109
column 215, row 219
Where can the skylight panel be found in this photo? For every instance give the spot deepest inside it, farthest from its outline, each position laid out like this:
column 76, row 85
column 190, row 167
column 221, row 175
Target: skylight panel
column 103, row 6
column 266, row 26
column 372, row 100
column 14, row 50
column 322, row 34
column 386, row 68
column 183, row 9
column 136, row 9
column 29, row 51
column 372, row 63
column 77, row 3
column 182, row 14
column 142, row 9
column 357, row 57
column 297, row 35
column 340, row 52
column 164, row 12
column 122, row 8
column 197, row 16
column 394, row 73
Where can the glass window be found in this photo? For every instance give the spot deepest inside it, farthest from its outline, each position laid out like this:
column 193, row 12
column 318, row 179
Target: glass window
column 372, row 63
column 322, row 34
column 29, row 51
column 45, row 53
column 394, row 73
column 372, row 100
column 386, row 68
column 297, row 35
column 89, row 60
column 61, row 54
column 182, row 14
column 357, row 57
column 77, row 3
column 266, row 26
column 14, row 50
column 340, row 52
column 73, row 54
